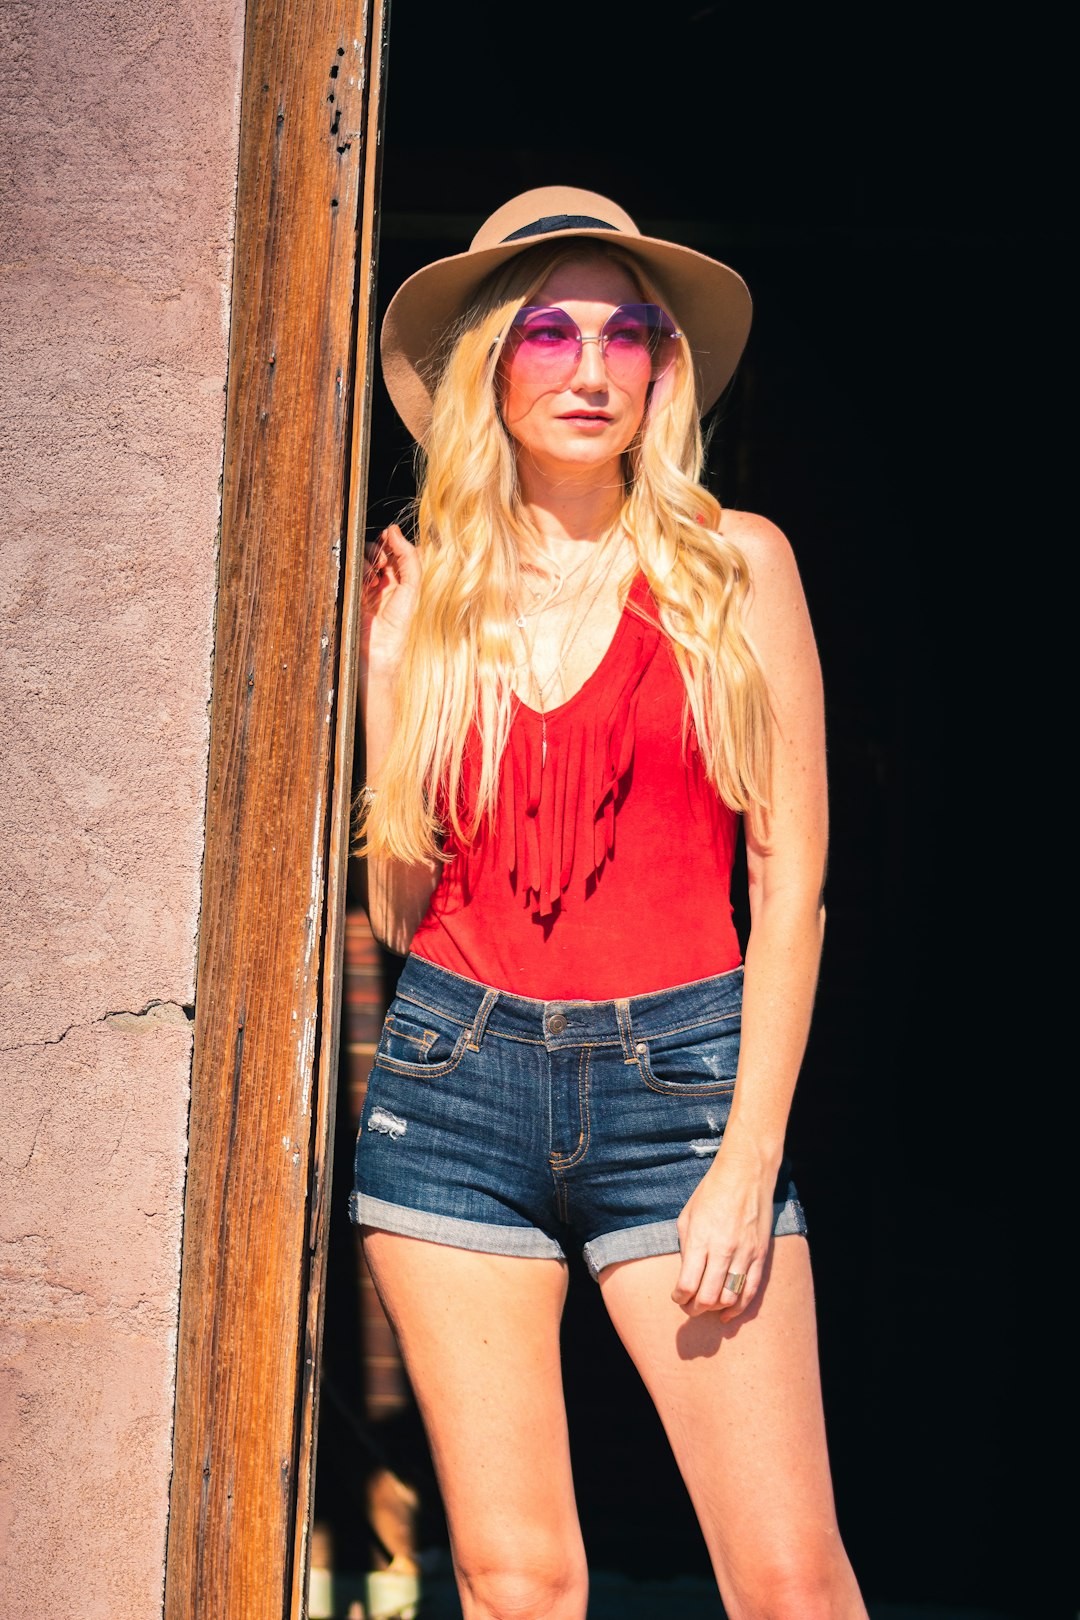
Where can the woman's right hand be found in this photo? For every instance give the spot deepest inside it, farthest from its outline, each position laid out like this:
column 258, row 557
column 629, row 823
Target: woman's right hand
column 398, row 892
column 388, row 598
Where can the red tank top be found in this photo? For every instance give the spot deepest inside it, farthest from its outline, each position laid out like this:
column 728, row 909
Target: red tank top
column 608, row 870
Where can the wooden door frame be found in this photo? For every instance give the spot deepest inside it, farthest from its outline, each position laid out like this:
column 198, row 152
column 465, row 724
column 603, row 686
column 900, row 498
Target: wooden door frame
column 268, row 992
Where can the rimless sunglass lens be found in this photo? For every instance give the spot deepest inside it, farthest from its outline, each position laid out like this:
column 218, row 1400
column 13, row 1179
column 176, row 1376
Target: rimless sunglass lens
column 545, row 344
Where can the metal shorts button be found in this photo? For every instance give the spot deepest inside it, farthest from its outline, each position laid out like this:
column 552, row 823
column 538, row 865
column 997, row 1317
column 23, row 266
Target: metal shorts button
column 556, row 1024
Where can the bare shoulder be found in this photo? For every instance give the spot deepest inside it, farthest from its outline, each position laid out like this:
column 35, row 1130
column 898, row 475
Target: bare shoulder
column 776, row 611
column 775, row 585
column 766, row 548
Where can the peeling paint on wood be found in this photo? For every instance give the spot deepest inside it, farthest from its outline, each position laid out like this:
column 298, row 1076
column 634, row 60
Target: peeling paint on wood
column 277, row 823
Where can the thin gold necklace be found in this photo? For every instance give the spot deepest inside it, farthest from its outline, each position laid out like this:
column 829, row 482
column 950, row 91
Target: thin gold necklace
column 553, row 594
column 587, row 562
column 570, row 635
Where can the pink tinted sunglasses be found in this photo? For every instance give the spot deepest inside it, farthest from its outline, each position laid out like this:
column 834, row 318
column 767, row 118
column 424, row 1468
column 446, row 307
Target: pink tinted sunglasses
column 544, row 344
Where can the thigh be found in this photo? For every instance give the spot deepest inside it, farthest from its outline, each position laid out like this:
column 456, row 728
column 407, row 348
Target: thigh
column 479, row 1336
column 741, row 1405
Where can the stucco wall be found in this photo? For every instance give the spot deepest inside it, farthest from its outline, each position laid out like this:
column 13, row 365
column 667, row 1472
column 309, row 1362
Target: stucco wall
column 118, row 140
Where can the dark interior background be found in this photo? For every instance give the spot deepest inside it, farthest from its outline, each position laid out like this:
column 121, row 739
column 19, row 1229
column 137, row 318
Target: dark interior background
column 889, row 185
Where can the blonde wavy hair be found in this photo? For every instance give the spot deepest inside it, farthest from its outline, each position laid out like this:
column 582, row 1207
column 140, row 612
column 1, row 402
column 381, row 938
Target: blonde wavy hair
column 473, row 538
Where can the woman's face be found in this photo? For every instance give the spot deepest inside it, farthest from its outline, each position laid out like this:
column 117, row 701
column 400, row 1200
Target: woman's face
column 589, row 421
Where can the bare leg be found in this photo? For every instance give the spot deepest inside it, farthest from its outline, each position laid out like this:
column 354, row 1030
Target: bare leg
column 741, row 1405
column 479, row 1335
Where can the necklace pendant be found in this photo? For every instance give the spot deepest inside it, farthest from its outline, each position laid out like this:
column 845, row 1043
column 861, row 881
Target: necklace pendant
column 543, row 744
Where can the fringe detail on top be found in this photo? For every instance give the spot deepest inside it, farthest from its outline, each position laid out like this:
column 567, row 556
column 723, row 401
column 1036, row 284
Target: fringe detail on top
column 556, row 821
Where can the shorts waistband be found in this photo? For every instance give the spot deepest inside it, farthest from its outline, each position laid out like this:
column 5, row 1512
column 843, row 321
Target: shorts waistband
column 486, row 1010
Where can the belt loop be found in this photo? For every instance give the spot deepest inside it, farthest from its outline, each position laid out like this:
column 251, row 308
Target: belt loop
column 626, row 1033
column 476, row 1034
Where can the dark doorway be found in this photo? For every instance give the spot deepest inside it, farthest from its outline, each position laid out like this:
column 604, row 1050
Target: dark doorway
column 870, row 190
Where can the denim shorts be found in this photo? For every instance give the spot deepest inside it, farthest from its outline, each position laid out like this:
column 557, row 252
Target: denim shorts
column 512, row 1126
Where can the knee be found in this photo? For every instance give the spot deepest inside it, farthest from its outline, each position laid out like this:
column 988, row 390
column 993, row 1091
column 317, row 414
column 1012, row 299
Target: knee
column 803, row 1589
column 536, row 1590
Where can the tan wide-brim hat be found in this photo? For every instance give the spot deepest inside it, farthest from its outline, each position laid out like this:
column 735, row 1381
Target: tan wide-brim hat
column 710, row 302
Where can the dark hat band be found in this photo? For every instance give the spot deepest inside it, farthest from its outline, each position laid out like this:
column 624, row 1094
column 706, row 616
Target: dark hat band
column 559, row 222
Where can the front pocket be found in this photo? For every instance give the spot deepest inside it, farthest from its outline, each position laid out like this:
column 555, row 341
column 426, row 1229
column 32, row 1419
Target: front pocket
column 418, row 1040
column 700, row 1062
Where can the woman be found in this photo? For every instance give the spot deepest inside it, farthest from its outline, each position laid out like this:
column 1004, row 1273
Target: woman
column 574, row 685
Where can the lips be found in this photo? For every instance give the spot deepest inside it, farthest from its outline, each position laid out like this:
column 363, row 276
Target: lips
column 584, row 416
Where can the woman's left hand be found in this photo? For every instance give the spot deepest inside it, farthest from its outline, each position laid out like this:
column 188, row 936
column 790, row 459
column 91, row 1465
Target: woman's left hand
column 725, row 1228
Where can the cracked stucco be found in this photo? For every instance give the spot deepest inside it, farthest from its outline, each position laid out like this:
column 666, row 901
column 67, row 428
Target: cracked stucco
column 154, row 1012
column 118, row 142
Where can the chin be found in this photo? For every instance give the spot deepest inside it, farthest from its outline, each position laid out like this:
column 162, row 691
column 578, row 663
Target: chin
column 586, row 455
column 590, row 445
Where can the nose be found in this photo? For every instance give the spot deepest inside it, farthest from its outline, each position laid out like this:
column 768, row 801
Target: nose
column 591, row 373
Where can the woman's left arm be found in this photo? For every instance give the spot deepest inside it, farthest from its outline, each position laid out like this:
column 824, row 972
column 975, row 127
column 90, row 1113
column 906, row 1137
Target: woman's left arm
column 726, row 1225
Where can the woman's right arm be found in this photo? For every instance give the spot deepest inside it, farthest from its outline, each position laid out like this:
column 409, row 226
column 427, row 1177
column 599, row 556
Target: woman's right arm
column 398, row 891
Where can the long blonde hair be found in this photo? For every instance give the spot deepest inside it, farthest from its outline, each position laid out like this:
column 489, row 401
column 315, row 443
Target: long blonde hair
column 471, row 533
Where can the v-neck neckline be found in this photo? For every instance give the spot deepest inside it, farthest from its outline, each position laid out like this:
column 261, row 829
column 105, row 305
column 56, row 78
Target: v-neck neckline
column 625, row 617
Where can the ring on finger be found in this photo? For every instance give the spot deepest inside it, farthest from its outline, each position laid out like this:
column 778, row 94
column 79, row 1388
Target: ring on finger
column 736, row 1282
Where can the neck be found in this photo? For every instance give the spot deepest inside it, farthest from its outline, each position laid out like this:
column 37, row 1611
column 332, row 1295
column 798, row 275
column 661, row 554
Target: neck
column 570, row 507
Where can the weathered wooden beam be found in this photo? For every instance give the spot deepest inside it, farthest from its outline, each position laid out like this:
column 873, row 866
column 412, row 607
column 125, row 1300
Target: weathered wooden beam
column 268, row 957
column 341, row 802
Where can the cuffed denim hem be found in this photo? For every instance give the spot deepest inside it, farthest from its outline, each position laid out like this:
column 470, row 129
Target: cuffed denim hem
column 662, row 1237
column 525, row 1241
